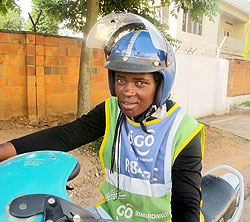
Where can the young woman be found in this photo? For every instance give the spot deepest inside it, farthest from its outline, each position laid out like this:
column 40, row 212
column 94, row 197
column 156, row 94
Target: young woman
column 152, row 150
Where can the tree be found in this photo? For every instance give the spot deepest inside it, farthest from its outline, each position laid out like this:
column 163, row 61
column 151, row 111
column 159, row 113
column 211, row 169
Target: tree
column 246, row 53
column 6, row 5
column 85, row 73
column 10, row 18
column 12, row 21
column 46, row 23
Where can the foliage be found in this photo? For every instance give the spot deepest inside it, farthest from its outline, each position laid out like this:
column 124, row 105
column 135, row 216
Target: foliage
column 12, row 21
column 95, row 146
column 47, row 24
column 6, row 5
column 246, row 53
column 73, row 12
column 247, row 103
column 197, row 8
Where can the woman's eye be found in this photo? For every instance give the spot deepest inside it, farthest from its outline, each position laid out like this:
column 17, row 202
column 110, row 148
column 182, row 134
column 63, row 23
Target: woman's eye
column 119, row 80
column 140, row 83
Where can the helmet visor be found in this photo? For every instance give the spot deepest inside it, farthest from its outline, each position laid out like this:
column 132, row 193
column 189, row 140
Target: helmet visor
column 105, row 31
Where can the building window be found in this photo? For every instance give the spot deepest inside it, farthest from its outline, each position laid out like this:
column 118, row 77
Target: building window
column 191, row 26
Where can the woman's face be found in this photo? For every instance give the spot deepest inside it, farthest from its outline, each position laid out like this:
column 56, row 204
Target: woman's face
column 135, row 92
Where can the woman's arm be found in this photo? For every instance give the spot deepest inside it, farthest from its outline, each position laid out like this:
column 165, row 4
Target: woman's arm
column 65, row 137
column 186, row 183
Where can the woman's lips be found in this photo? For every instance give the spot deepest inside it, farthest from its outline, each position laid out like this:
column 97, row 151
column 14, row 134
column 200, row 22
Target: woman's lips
column 128, row 105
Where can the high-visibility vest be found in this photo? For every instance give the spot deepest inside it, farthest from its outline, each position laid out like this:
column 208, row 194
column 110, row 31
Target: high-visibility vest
column 145, row 163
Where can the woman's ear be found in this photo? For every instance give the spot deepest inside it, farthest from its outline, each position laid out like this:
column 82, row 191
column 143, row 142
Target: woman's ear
column 112, row 82
column 159, row 86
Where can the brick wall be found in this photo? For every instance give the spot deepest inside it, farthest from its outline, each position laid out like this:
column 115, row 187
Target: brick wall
column 99, row 88
column 238, row 78
column 39, row 75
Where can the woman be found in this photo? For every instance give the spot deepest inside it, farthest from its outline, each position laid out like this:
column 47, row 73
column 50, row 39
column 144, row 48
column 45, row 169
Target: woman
column 152, row 150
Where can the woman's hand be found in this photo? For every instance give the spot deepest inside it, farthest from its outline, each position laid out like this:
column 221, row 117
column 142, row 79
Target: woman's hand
column 7, row 150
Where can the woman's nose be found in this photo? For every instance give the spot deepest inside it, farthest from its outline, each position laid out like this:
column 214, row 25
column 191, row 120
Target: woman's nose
column 129, row 89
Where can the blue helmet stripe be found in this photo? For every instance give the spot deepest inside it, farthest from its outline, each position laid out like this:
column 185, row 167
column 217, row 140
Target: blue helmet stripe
column 131, row 43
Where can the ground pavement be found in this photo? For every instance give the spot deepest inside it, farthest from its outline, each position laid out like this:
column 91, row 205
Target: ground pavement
column 235, row 124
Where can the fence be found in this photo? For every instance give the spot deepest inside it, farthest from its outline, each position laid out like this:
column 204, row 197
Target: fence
column 201, row 85
column 238, row 82
column 39, row 76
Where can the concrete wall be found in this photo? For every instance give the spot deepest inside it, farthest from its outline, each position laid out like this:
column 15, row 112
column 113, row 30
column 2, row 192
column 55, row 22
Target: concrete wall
column 201, row 85
column 206, row 85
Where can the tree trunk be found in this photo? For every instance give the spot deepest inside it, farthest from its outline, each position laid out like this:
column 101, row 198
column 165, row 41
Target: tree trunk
column 85, row 72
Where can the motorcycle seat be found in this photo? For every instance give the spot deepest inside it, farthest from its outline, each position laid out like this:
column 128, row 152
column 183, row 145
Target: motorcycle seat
column 218, row 199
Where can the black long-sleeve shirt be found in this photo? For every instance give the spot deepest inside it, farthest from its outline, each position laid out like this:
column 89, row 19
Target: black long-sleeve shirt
column 186, row 171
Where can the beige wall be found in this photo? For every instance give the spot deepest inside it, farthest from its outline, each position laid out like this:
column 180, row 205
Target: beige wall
column 209, row 31
column 224, row 26
column 204, row 85
column 234, row 16
column 239, row 31
column 204, row 44
column 236, row 29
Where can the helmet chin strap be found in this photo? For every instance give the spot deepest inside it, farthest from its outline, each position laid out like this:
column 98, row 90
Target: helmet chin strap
column 144, row 116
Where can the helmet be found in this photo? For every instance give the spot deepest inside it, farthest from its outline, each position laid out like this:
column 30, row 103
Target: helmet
column 136, row 53
column 144, row 50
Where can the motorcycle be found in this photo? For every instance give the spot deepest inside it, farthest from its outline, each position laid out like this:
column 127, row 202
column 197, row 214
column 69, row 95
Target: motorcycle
column 34, row 189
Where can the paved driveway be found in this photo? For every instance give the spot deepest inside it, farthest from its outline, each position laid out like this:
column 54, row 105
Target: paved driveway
column 237, row 124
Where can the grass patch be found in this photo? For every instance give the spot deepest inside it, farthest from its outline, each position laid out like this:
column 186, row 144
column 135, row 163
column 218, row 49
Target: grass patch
column 244, row 140
column 95, row 146
column 247, row 103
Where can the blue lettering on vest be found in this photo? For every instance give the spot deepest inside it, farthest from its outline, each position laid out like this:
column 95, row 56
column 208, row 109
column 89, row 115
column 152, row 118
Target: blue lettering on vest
column 142, row 155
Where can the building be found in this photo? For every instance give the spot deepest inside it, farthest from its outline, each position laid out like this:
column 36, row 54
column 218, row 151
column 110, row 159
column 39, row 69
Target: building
column 223, row 38
column 232, row 21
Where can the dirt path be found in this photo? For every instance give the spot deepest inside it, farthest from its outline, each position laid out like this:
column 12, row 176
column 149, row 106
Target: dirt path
column 220, row 148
